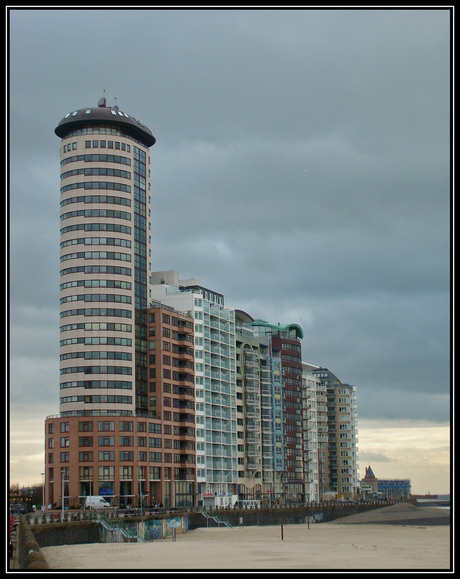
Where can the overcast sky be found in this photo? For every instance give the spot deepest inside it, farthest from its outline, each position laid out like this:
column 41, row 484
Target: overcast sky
column 302, row 169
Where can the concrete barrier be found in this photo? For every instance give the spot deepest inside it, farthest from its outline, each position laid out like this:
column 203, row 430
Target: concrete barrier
column 30, row 555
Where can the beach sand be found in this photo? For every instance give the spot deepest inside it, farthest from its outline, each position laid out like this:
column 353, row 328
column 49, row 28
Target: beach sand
column 338, row 545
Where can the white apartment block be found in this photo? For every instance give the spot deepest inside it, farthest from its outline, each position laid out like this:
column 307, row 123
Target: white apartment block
column 311, row 431
column 215, row 382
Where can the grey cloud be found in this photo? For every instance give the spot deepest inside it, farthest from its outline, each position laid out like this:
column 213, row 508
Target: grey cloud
column 301, row 168
column 375, row 457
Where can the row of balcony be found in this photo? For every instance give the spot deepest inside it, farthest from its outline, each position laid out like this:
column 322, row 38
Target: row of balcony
column 220, row 438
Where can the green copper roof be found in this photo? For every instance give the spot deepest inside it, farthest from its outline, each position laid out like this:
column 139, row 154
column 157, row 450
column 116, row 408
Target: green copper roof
column 279, row 327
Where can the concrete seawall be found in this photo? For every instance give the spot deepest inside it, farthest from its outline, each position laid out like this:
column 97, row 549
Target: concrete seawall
column 79, row 532
column 89, row 531
column 29, row 554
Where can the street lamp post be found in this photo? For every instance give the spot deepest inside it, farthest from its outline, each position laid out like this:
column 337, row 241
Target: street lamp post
column 140, row 488
column 43, row 492
column 63, row 489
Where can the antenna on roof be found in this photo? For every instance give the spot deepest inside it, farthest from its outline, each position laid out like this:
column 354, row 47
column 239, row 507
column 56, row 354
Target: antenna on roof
column 102, row 102
column 116, row 106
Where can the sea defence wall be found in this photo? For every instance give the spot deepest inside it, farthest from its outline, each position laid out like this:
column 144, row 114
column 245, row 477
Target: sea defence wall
column 103, row 529
column 160, row 526
column 74, row 533
column 30, row 556
column 276, row 516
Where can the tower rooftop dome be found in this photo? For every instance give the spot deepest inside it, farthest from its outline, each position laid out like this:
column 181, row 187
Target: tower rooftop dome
column 107, row 115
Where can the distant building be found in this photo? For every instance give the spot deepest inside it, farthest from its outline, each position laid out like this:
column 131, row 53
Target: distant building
column 338, row 453
column 369, row 482
column 392, row 488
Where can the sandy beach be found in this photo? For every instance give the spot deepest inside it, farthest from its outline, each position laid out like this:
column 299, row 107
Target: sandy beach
column 355, row 544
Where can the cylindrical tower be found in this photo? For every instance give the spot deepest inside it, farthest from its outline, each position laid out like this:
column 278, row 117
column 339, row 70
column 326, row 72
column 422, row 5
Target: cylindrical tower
column 105, row 248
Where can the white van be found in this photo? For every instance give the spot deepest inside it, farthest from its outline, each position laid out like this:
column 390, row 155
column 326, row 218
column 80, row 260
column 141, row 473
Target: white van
column 96, row 502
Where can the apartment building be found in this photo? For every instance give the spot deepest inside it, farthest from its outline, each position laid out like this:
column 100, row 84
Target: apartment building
column 114, row 434
column 141, row 458
column 171, row 375
column 167, row 394
column 215, row 383
column 312, row 431
column 280, row 392
column 261, row 460
column 339, row 453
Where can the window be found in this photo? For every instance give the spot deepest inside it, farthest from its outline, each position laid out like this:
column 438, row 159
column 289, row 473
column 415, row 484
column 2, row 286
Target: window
column 85, row 441
column 126, row 426
column 154, row 472
column 126, row 455
column 106, row 441
column 126, row 472
column 106, row 426
column 51, row 428
column 64, row 457
column 106, row 473
column 64, row 427
column 95, row 144
column 87, row 144
column 65, row 441
column 86, row 473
